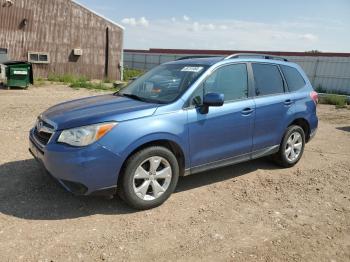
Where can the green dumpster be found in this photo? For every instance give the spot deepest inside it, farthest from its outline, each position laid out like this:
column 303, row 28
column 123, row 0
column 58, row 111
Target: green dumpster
column 19, row 74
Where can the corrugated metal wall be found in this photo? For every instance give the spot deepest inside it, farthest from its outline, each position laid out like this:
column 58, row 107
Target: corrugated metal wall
column 329, row 73
column 58, row 27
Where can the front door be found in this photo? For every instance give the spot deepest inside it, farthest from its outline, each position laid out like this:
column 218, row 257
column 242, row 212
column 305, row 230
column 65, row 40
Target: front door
column 225, row 132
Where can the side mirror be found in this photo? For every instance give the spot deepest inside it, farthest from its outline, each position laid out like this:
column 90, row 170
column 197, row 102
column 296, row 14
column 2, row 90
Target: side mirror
column 212, row 99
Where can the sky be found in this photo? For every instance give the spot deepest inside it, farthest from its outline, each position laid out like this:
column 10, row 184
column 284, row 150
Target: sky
column 265, row 25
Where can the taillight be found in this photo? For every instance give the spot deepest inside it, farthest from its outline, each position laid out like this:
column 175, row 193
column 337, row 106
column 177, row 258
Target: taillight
column 314, row 97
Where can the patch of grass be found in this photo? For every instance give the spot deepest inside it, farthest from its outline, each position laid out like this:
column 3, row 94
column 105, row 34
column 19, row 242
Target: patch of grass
column 89, row 85
column 338, row 101
column 66, row 78
column 78, row 82
column 107, row 81
column 320, row 89
column 39, row 81
column 129, row 74
column 341, row 106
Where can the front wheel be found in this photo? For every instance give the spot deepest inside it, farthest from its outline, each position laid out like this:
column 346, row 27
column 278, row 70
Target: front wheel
column 149, row 178
column 292, row 147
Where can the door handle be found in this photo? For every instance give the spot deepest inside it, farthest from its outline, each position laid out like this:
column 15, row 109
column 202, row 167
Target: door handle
column 288, row 102
column 247, row 111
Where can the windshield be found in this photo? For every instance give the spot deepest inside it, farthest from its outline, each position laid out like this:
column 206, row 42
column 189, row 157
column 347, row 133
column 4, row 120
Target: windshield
column 163, row 84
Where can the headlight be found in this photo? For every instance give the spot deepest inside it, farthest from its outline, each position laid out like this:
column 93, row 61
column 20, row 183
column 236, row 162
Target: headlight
column 86, row 135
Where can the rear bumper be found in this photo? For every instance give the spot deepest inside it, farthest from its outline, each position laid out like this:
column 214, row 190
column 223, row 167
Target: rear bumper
column 81, row 171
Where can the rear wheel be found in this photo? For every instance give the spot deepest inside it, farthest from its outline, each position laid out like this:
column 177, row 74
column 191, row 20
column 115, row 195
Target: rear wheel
column 292, row 147
column 149, row 178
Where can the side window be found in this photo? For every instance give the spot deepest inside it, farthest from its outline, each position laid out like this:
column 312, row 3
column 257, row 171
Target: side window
column 268, row 79
column 39, row 57
column 231, row 80
column 294, row 79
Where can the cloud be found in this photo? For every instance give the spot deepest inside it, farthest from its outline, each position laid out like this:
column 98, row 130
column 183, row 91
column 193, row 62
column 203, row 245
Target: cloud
column 129, row 21
column 143, row 22
column 232, row 34
column 292, row 36
column 209, row 27
column 186, row 18
column 196, row 27
column 308, row 37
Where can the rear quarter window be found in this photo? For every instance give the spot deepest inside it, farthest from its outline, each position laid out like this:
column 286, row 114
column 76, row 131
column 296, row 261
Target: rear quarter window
column 294, row 79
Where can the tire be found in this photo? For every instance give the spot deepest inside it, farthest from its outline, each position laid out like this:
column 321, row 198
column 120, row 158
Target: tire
column 142, row 176
column 285, row 159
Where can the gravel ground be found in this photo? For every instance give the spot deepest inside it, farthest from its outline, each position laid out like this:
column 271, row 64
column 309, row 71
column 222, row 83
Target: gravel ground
column 249, row 212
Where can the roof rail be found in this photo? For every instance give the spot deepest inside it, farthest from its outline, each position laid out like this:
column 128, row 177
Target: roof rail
column 263, row 56
column 194, row 57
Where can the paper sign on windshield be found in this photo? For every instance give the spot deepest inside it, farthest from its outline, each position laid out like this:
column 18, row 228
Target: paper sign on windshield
column 194, row 69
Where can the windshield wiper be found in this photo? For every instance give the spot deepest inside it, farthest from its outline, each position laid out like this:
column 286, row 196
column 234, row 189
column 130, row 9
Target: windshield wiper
column 132, row 96
column 142, row 99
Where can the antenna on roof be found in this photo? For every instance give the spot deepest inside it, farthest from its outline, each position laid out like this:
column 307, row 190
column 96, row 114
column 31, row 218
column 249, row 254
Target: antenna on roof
column 261, row 56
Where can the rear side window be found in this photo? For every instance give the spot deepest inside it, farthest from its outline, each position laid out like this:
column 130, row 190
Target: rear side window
column 294, row 79
column 268, row 79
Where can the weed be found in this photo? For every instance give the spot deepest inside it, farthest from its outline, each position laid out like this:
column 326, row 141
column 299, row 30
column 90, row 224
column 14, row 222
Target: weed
column 338, row 101
column 89, row 85
column 39, row 81
column 66, row 78
column 129, row 74
column 107, row 81
column 320, row 89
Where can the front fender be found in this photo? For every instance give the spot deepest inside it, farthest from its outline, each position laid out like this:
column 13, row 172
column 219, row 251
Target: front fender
column 154, row 138
column 130, row 135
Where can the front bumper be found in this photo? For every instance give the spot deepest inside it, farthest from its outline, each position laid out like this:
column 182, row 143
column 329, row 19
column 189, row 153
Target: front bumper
column 82, row 171
column 313, row 134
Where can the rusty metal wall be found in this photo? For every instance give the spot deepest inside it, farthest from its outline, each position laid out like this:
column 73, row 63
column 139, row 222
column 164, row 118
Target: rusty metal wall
column 327, row 71
column 58, row 27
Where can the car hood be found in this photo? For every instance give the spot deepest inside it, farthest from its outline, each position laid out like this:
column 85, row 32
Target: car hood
column 97, row 109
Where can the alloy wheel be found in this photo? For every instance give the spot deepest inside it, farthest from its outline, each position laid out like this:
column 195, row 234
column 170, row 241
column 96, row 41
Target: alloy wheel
column 152, row 178
column 294, row 146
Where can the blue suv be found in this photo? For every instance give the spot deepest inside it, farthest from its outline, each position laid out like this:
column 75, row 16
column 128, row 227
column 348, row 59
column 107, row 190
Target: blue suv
column 178, row 119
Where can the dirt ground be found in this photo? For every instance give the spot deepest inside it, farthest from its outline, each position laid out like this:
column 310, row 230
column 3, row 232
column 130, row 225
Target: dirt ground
column 254, row 211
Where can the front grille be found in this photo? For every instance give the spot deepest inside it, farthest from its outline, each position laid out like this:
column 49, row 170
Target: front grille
column 44, row 134
column 42, row 137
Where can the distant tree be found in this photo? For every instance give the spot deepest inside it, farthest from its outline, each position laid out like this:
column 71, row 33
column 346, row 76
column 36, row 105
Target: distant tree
column 313, row 52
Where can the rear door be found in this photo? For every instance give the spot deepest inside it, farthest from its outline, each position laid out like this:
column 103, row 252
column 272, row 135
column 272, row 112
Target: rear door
column 274, row 106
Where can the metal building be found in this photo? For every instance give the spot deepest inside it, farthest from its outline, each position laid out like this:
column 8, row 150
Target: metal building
column 327, row 71
column 61, row 37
